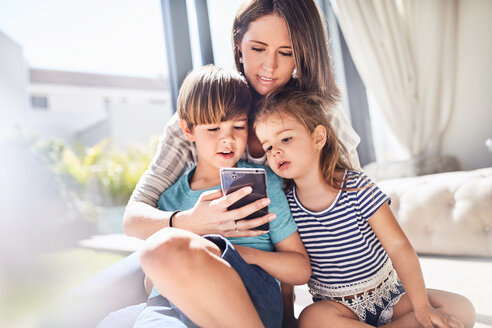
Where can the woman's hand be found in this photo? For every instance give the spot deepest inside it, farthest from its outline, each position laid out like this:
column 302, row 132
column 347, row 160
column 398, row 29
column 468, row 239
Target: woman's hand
column 428, row 317
column 210, row 215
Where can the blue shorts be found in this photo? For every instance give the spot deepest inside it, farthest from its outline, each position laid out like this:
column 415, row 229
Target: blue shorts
column 375, row 307
column 263, row 290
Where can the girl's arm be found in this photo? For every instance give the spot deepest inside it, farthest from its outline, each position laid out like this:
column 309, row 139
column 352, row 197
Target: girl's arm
column 406, row 264
column 289, row 264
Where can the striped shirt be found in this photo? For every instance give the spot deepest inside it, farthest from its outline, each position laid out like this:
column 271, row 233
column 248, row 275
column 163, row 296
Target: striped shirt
column 346, row 256
column 176, row 155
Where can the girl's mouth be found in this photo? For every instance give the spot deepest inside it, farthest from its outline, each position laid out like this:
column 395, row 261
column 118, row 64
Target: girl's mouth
column 283, row 164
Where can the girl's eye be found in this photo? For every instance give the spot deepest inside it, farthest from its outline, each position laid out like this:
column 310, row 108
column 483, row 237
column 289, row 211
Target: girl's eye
column 213, row 129
column 286, row 54
column 287, row 139
column 239, row 127
column 257, row 49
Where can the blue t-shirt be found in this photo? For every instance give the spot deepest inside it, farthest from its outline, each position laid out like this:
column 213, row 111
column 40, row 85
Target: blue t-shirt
column 180, row 197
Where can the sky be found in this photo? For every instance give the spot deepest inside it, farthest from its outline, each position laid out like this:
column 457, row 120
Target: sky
column 122, row 37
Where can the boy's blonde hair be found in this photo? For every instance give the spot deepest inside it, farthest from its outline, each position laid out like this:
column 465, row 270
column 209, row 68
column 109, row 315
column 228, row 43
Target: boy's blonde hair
column 211, row 95
column 310, row 110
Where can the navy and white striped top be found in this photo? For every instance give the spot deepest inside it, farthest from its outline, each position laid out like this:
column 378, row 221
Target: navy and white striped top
column 346, row 256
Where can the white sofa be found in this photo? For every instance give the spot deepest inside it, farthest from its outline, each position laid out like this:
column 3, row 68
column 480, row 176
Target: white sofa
column 446, row 213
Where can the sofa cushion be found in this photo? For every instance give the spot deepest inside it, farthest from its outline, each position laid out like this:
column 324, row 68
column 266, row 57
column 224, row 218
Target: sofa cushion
column 445, row 213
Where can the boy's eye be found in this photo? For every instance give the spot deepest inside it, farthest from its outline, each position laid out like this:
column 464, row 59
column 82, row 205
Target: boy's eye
column 268, row 148
column 286, row 139
column 239, row 127
column 213, row 129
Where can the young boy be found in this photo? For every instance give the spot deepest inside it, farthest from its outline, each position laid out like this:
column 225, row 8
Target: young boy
column 206, row 281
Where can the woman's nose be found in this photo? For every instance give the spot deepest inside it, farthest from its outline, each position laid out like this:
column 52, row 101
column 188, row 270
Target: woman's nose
column 270, row 62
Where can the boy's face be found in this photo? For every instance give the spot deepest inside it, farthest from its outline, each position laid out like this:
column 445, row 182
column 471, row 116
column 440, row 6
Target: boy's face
column 220, row 145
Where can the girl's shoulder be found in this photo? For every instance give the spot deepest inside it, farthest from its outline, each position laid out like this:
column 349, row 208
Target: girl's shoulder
column 356, row 180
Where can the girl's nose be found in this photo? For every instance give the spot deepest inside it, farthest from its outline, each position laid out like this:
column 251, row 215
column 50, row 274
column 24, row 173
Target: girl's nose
column 277, row 151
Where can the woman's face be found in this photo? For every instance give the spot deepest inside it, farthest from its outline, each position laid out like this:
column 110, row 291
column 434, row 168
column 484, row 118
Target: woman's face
column 268, row 59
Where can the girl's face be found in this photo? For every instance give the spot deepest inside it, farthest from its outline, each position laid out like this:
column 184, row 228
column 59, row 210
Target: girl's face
column 292, row 151
column 266, row 49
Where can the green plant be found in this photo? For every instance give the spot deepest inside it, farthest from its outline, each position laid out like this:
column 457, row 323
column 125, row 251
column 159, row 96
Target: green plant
column 102, row 174
column 109, row 170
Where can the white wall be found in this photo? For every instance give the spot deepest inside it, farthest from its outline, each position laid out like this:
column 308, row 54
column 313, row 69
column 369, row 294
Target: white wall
column 471, row 123
column 13, row 77
column 133, row 116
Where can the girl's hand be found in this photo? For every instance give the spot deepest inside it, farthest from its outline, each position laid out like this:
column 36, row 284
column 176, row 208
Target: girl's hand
column 428, row 317
column 210, row 215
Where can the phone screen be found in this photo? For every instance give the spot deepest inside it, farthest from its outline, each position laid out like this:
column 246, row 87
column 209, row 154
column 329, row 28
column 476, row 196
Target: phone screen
column 233, row 179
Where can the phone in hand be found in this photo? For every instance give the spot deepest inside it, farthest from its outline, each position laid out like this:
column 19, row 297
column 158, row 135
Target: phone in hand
column 234, row 178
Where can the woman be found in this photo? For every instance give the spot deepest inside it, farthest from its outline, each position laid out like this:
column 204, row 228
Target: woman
column 276, row 42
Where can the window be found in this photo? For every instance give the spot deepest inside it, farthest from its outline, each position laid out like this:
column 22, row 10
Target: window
column 39, row 102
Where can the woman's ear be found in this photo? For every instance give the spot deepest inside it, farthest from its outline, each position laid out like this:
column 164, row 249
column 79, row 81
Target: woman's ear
column 319, row 137
column 186, row 130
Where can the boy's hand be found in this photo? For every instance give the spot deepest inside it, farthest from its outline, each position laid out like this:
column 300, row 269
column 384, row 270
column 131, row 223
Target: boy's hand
column 210, row 215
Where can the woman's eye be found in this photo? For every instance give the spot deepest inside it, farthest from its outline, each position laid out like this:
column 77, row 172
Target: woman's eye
column 287, row 139
column 286, row 54
column 257, row 49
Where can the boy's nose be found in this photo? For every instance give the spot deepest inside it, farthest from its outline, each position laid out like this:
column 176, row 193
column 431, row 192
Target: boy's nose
column 227, row 137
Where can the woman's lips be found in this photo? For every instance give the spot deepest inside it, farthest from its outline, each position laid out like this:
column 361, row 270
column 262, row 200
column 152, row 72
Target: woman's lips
column 266, row 80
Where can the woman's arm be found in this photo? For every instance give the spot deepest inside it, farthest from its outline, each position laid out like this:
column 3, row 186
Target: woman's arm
column 289, row 264
column 406, row 264
column 142, row 218
column 346, row 133
column 209, row 216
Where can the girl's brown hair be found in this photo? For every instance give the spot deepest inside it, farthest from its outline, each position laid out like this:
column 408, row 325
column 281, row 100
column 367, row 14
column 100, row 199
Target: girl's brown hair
column 309, row 109
column 307, row 34
column 211, row 94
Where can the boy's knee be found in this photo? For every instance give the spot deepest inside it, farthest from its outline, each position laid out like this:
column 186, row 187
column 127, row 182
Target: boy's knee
column 175, row 256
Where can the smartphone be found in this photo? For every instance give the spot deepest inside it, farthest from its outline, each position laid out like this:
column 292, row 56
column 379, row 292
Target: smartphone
column 234, row 178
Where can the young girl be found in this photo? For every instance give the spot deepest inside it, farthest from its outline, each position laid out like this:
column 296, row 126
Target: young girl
column 364, row 270
column 276, row 42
